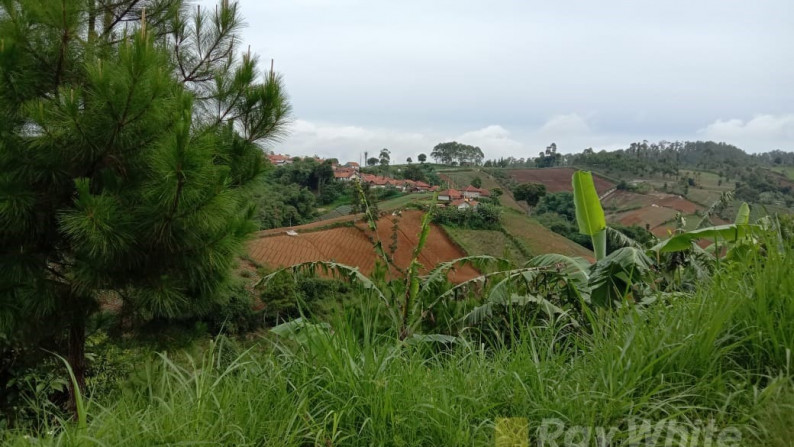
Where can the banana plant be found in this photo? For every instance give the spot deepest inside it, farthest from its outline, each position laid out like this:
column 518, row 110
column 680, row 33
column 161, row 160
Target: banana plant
column 589, row 214
column 731, row 234
column 615, row 276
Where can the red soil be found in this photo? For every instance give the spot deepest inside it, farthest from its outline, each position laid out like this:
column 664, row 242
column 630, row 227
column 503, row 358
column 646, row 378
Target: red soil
column 352, row 246
column 652, row 216
column 556, row 179
column 679, row 204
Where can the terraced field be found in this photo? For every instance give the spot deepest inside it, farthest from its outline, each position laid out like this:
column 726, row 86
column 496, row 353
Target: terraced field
column 487, row 242
column 655, row 211
column 539, row 239
column 352, row 245
column 556, row 179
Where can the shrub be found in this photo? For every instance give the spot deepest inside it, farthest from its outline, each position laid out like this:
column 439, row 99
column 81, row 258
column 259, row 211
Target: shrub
column 484, row 217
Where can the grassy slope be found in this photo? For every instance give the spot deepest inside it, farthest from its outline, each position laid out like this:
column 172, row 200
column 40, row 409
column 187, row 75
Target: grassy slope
column 720, row 354
column 539, row 239
column 535, row 237
column 486, row 242
column 788, row 171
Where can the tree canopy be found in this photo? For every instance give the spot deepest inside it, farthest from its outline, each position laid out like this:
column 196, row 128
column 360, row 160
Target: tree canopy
column 530, row 193
column 129, row 151
column 454, row 152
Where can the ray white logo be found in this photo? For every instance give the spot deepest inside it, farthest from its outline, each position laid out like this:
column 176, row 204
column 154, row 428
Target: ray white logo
column 552, row 432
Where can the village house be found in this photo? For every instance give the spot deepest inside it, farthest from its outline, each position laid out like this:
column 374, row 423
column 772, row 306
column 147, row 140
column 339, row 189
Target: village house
column 464, row 204
column 449, row 195
column 345, row 174
column 475, row 193
column 279, row 160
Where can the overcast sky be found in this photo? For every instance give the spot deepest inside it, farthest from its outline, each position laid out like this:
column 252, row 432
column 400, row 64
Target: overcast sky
column 514, row 76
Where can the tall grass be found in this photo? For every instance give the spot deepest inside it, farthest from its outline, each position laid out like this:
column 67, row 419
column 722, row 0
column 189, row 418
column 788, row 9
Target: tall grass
column 722, row 354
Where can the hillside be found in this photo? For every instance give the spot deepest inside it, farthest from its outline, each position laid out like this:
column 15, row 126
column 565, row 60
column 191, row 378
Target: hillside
column 654, row 211
column 462, row 178
column 351, row 245
column 539, row 239
column 555, row 179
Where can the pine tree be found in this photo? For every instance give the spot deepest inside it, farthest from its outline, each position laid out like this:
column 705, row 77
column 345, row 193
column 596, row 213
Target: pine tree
column 130, row 136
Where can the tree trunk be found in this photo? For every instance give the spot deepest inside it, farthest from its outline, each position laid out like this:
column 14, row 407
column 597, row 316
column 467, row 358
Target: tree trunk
column 76, row 359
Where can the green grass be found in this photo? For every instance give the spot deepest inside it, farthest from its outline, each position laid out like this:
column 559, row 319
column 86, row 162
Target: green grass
column 721, row 354
column 486, row 242
column 399, row 202
column 539, row 239
column 788, row 171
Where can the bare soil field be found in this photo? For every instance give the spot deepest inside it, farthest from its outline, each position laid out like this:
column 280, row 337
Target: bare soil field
column 624, row 200
column 556, row 179
column 650, row 217
column 654, row 210
column 353, row 246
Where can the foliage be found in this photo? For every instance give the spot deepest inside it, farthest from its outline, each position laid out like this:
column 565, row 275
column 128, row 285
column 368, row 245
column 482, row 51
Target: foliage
column 284, row 205
column 384, row 157
column 530, row 193
column 563, row 226
column 304, row 172
column 456, row 153
column 620, row 276
column 558, row 202
column 286, row 296
column 130, row 151
column 483, row 217
column 589, row 214
column 673, row 361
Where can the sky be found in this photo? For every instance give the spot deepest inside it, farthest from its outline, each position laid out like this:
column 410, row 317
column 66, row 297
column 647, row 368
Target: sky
column 514, row 76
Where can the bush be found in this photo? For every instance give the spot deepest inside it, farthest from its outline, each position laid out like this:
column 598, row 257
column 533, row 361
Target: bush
column 484, row 217
column 286, row 296
column 236, row 315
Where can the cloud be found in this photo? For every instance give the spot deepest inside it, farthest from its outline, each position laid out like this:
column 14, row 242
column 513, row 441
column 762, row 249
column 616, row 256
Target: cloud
column 494, row 140
column 349, row 142
column 761, row 133
column 570, row 124
column 572, row 132
column 761, row 126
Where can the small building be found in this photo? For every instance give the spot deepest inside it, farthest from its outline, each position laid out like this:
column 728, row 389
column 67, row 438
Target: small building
column 279, row 160
column 420, row 186
column 475, row 193
column 345, row 174
column 374, row 181
column 449, row 195
column 464, row 204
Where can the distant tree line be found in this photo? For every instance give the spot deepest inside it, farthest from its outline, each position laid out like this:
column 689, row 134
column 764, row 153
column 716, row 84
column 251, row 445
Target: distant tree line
column 454, row 153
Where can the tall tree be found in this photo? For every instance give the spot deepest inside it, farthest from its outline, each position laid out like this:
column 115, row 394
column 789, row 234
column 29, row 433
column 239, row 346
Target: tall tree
column 384, row 157
column 422, row 158
column 129, row 151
